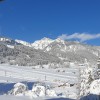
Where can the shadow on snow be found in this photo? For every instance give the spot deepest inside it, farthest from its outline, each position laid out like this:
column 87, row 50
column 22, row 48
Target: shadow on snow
column 5, row 87
column 88, row 97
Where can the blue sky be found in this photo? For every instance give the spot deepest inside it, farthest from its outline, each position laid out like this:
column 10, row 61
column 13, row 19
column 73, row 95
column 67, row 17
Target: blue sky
column 31, row 20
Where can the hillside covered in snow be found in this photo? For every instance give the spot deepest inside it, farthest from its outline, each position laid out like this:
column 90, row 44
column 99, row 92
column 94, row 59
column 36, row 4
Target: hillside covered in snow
column 48, row 69
column 46, row 51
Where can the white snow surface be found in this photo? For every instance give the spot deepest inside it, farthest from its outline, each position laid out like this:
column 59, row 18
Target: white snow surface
column 95, row 87
column 20, row 89
column 23, row 42
column 4, row 39
column 10, row 46
column 85, row 80
column 60, row 40
column 41, row 44
column 60, row 81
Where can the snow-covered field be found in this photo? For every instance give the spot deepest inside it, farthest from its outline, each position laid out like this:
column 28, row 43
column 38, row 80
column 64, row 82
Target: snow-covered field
column 27, row 83
column 64, row 81
column 27, row 73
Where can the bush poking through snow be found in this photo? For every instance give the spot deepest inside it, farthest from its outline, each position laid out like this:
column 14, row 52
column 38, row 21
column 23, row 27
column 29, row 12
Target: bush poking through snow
column 38, row 90
column 41, row 90
column 50, row 92
column 95, row 87
column 19, row 89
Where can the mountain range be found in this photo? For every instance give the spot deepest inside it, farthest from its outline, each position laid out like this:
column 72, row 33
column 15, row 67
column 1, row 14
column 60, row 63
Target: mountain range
column 46, row 51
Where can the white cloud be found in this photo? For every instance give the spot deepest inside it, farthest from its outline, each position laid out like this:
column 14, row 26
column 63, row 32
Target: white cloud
column 80, row 36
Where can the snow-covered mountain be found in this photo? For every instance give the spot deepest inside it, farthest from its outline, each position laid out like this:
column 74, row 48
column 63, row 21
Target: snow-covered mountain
column 23, row 43
column 68, row 50
column 8, row 41
column 57, row 56
column 60, row 50
column 20, row 53
column 4, row 39
column 41, row 44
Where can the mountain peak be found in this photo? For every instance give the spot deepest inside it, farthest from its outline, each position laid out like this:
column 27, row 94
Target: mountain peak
column 41, row 44
column 4, row 39
column 59, row 40
column 8, row 41
column 23, row 42
column 45, row 38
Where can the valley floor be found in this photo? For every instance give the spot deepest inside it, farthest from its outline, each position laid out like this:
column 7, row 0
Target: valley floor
column 62, row 80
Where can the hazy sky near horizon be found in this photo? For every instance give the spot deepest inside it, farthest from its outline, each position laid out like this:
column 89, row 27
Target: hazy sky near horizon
column 32, row 20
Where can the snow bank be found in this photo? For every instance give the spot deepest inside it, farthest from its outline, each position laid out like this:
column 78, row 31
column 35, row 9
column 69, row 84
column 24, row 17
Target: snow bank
column 39, row 90
column 21, row 89
column 51, row 92
column 95, row 87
